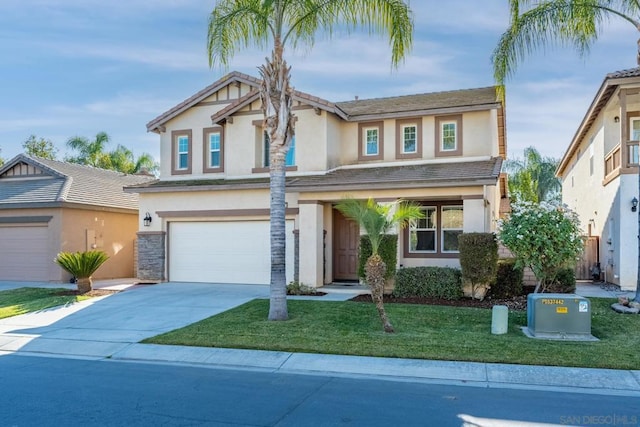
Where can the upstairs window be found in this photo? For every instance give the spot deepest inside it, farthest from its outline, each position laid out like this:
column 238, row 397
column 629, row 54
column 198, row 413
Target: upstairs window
column 181, row 149
column 370, row 137
column 409, row 138
column 290, row 158
column 213, row 143
column 449, row 136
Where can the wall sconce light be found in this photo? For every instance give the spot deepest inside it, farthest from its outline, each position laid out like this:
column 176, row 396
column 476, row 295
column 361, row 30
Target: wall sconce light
column 147, row 218
column 616, row 119
column 634, row 204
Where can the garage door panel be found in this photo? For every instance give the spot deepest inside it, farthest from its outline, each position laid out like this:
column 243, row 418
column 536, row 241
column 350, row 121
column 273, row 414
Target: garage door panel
column 24, row 254
column 224, row 252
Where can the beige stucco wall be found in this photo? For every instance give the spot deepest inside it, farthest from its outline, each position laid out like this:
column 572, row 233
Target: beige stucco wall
column 67, row 231
column 111, row 232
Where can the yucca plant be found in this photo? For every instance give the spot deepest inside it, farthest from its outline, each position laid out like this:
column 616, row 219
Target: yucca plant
column 82, row 265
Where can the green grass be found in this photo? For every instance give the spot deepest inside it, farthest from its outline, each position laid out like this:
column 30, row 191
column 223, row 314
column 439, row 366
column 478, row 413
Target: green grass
column 422, row 332
column 25, row 300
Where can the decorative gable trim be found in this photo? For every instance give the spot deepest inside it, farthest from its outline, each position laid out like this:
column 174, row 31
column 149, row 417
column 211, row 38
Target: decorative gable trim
column 157, row 124
column 23, row 166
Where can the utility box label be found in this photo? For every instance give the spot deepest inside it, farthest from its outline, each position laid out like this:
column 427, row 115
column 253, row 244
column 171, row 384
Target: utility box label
column 562, row 310
column 583, row 307
column 552, row 301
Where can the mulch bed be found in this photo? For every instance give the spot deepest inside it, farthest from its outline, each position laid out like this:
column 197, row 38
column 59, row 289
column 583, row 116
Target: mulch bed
column 515, row 303
column 308, row 294
column 93, row 293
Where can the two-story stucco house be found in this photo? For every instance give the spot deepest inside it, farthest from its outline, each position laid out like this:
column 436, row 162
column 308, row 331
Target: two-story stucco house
column 210, row 206
column 599, row 173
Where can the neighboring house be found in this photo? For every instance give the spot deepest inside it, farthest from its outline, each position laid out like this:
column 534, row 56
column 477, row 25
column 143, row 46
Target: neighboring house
column 599, row 173
column 47, row 206
column 210, row 207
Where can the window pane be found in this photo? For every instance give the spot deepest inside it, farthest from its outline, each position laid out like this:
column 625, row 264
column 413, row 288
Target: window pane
column 448, row 136
column 450, row 240
column 635, row 129
column 183, row 161
column 409, row 135
column 422, row 240
column 290, row 160
column 214, row 142
column 265, row 143
column 183, row 144
column 215, row 159
column 371, row 142
column 452, row 217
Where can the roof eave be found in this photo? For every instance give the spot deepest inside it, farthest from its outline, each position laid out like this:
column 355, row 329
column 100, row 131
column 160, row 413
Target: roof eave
column 423, row 112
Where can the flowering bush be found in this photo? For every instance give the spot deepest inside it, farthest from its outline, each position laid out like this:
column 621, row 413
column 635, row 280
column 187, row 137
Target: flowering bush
column 545, row 237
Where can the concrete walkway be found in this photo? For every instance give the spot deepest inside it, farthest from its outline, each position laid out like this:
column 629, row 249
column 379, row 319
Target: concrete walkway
column 111, row 327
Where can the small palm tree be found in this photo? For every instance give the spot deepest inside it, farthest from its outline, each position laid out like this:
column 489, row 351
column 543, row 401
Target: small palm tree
column 533, row 179
column 377, row 220
column 82, row 265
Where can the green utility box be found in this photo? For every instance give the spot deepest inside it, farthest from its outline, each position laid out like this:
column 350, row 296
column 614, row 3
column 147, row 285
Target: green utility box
column 559, row 316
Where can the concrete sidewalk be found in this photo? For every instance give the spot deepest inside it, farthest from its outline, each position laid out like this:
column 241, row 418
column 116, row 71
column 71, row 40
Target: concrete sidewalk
column 111, row 327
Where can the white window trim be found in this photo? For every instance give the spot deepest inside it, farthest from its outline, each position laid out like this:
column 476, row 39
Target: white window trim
column 442, row 136
column 415, row 138
column 365, row 135
column 218, row 150
column 179, row 153
column 443, row 229
column 434, row 229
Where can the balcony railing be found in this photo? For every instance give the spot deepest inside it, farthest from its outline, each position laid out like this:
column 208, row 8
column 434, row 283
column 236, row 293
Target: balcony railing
column 632, row 149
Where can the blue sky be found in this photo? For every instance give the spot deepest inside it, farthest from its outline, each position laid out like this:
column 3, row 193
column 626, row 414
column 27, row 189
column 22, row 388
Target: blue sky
column 78, row 67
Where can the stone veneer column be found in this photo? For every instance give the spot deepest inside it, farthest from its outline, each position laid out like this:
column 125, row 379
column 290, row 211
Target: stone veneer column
column 151, row 255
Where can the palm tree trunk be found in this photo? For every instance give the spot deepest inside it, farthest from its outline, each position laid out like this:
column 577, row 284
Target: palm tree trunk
column 637, row 297
column 276, row 98
column 374, row 271
column 85, row 284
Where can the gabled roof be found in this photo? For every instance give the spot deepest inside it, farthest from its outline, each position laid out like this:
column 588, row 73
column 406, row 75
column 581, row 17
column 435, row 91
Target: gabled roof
column 424, row 175
column 235, row 76
column 55, row 183
column 364, row 109
column 608, row 87
column 422, row 104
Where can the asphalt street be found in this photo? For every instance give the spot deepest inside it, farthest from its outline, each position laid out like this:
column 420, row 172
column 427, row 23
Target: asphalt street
column 42, row 391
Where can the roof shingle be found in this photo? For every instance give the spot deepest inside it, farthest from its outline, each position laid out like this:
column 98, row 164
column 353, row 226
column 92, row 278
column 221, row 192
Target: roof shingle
column 70, row 183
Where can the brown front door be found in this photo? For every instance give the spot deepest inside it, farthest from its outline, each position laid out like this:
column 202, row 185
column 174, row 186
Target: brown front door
column 346, row 237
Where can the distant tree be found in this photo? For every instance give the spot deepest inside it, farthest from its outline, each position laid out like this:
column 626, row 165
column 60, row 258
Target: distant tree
column 123, row 160
column 93, row 153
column 40, row 147
column 533, row 179
column 90, row 153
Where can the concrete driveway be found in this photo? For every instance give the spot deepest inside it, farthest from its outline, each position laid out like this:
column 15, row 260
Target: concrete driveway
column 102, row 326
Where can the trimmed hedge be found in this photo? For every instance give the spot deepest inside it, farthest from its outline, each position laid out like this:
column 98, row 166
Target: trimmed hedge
column 508, row 281
column 430, row 282
column 478, row 257
column 388, row 251
column 564, row 282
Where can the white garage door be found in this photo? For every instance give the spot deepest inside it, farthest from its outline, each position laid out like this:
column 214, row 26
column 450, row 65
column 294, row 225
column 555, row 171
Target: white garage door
column 24, row 253
column 224, row 252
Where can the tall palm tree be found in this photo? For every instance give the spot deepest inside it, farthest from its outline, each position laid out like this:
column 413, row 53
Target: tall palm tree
column 237, row 24
column 533, row 178
column 377, row 220
column 570, row 22
column 123, row 160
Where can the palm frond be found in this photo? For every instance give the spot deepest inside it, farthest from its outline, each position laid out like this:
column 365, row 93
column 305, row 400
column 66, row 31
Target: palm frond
column 81, row 264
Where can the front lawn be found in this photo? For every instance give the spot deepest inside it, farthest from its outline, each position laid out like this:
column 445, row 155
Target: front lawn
column 25, row 300
column 422, row 332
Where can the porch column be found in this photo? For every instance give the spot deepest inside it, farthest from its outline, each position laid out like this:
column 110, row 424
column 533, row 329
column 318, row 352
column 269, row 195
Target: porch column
column 311, row 243
column 473, row 214
column 624, row 129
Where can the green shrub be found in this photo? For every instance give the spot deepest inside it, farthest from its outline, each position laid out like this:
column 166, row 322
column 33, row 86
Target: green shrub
column 388, row 250
column 430, row 282
column 508, row 281
column 563, row 283
column 297, row 288
column 478, row 258
column 81, row 264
